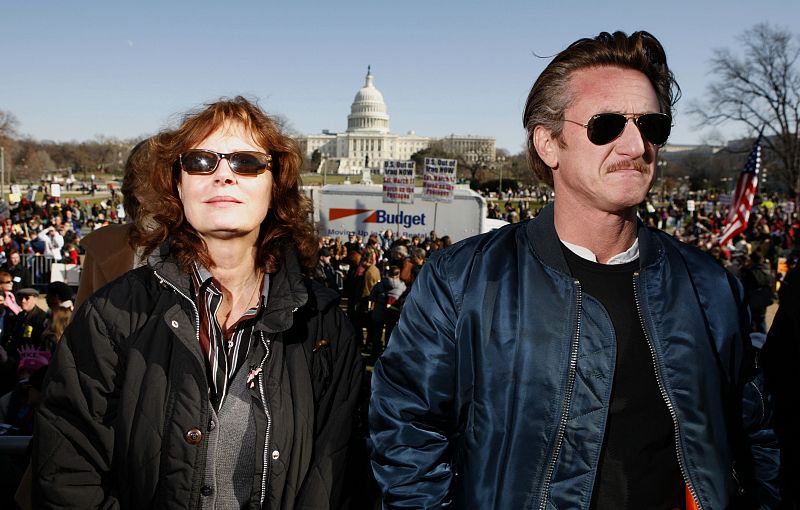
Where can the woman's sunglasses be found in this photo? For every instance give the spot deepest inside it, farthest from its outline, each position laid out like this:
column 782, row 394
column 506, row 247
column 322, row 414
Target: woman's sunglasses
column 205, row 162
column 606, row 127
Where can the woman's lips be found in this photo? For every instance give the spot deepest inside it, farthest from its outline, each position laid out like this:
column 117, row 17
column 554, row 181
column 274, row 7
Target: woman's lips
column 223, row 199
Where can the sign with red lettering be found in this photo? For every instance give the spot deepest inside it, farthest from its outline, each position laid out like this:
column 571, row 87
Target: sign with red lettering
column 439, row 179
column 398, row 182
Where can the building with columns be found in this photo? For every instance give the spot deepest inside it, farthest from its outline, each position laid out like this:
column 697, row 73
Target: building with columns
column 368, row 142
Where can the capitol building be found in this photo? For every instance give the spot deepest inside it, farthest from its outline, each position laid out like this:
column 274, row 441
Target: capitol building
column 367, row 143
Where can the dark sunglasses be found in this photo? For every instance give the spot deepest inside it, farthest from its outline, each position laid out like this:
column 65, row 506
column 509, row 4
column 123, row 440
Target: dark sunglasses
column 606, row 127
column 205, row 162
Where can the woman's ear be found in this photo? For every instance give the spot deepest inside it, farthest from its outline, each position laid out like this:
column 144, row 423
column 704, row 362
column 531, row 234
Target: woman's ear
column 546, row 145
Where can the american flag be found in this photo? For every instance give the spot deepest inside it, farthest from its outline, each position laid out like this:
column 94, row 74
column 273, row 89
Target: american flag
column 742, row 201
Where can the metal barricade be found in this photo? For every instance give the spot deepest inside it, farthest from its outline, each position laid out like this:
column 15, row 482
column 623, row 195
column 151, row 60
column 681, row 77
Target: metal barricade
column 39, row 267
column 42, row 268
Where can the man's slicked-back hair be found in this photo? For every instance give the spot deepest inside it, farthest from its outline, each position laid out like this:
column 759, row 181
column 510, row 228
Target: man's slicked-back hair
column 550, row 95
column 288, row 221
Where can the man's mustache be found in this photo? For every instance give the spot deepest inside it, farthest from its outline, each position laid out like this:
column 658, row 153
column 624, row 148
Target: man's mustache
column 637, row 164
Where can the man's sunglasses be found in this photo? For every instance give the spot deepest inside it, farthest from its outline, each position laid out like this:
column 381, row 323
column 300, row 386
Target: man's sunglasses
column 205, row 162
column 606, row 127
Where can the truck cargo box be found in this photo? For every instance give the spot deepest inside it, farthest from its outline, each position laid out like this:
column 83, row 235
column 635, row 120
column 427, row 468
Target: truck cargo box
column 340, row 209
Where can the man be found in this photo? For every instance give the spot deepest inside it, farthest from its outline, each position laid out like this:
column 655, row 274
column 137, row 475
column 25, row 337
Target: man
column 398, row 256
column 387, row 240
column 759, row 290
column 109, row 253
column 353, row 243
column 577, row 360
column 779, row 359
column 27, row 327
column 409, row 271
column 20, row 275
column 53, row 242
column 324, row 272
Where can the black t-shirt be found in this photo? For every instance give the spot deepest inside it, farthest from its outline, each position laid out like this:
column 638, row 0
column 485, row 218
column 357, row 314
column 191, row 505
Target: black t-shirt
column 638, row 466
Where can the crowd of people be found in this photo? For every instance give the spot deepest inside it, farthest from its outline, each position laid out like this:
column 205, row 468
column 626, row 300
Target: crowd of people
column 374, row 277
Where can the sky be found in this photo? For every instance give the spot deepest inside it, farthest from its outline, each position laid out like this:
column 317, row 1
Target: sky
column 77, row 70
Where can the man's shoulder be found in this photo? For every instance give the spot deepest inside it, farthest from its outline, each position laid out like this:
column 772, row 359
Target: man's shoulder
column 480, row 250
column 110, row 235
column 37, row 314
column 703, row 268
column 499, row 239
column 692, row 254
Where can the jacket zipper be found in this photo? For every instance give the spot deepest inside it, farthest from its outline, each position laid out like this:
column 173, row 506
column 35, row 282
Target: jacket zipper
column 266, row 465
column 562, row 424
column 664, row 395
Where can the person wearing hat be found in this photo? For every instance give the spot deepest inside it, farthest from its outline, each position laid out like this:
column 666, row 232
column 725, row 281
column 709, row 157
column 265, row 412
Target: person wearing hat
column 23, row 329
column 27, row 326
column 324, row 272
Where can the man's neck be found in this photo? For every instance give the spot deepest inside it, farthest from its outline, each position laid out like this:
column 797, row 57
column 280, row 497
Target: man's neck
column 604, row 234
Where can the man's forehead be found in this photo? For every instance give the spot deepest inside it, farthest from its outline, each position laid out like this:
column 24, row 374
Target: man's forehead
column 611, row 89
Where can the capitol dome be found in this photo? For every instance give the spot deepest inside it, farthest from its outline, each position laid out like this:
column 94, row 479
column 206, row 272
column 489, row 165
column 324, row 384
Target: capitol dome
column 368, row 111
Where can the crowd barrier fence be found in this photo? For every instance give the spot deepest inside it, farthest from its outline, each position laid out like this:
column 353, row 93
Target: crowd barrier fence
column 45, row 270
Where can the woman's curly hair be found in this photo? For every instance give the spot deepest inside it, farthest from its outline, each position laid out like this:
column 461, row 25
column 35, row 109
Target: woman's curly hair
column 161, row 216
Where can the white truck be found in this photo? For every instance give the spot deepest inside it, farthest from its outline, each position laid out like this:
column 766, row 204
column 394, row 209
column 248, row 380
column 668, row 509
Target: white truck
column 343, row 208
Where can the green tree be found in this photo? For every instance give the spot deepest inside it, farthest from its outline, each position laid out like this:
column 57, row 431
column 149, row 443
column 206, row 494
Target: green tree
column 436, row 150
column 760, row 89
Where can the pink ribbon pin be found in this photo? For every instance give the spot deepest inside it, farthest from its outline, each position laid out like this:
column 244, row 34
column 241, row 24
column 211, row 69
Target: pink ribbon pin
column 251, row 376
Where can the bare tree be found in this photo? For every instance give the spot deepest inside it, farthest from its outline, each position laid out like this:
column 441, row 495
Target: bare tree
column 8, row 124
column 33, row 163
column 760, row 89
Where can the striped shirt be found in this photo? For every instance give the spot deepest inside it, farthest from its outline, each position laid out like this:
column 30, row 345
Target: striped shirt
column 225, row 350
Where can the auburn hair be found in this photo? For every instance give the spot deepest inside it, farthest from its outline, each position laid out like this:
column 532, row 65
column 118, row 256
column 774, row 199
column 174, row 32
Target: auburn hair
column 550, row 95
column 161, row 218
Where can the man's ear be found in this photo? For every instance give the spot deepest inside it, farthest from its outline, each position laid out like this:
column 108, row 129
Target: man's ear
column 546, row 146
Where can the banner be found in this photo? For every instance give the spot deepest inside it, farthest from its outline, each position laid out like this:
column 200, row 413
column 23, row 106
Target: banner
column 439, row 179
column 398, row 182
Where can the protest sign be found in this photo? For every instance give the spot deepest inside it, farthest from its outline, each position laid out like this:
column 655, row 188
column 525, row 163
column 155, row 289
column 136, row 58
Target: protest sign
column 398, row 182
column 439, row 179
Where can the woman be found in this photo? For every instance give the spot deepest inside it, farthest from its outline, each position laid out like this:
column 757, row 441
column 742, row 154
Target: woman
column 60, row 317
column 385, row 313
column 217, row 375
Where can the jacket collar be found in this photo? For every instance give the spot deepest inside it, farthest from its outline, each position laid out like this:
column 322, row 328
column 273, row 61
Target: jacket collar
column 286, row 294
column 543, row 241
